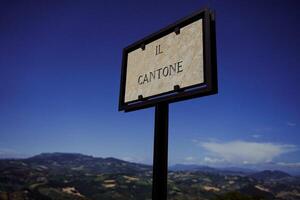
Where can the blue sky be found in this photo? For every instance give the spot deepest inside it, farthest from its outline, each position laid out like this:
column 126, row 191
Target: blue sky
column 59, row 82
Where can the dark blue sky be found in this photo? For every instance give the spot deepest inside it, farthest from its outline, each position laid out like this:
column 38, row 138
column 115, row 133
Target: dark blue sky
column 59, row 82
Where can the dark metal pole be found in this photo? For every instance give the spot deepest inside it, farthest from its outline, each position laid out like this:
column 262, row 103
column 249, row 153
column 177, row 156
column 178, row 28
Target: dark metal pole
column 160, row 154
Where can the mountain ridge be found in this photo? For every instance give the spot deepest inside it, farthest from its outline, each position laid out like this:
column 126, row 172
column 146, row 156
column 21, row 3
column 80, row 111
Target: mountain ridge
column 46, row 158
column 73, row 176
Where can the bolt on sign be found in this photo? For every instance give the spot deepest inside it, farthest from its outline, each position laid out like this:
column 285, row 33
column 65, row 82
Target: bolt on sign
column 176, row 63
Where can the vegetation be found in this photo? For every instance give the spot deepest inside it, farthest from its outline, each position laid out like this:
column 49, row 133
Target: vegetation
column 78, row 177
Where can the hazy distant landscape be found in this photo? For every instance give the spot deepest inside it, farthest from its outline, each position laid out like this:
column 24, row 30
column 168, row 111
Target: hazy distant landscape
column 53, row 176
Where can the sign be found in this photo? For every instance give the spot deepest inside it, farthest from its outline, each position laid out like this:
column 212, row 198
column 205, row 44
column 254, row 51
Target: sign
column 173, row 64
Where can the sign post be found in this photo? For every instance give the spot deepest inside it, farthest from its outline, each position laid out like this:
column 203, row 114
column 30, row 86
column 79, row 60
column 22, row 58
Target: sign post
column 160, row 153
column 174, row 64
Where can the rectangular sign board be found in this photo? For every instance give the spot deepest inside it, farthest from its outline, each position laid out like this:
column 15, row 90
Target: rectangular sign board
column 173, row 64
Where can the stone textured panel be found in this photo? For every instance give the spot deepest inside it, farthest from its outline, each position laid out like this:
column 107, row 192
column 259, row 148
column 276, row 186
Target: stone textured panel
column 145, row 69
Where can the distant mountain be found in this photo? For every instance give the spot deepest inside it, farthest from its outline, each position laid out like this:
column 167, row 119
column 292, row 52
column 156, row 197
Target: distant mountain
column 69, row 176
column 184, row 167
column 201, row 168
column 60, row 161
column 269, row 175
column 60, row 157
column 239, row 169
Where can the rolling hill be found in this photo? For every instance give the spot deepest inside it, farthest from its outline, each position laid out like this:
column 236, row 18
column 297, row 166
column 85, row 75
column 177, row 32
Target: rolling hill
column 66, row 176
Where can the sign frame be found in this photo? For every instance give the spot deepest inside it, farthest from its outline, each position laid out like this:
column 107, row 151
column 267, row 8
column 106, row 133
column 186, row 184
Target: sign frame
column 208, row 87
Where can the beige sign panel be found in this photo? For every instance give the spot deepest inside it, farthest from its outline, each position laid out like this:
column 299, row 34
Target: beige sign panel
column 175, row 59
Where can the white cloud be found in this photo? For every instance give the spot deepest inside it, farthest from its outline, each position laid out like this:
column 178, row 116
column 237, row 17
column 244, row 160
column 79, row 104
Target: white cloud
column 256, row 136
column 291, row 124
column 243, row 152
column 189, row 158
column 211, row 160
